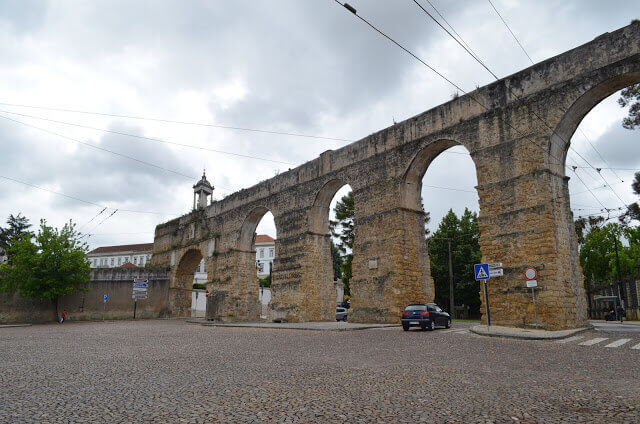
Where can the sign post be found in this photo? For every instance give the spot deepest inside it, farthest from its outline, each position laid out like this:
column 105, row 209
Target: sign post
column 481, row 272
column 531, row 275
column 105, row 297
column 140, row 286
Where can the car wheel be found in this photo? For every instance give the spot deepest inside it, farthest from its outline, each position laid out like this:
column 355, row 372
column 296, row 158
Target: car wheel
column 405, row 327
column 448, row 323
column 432, row 326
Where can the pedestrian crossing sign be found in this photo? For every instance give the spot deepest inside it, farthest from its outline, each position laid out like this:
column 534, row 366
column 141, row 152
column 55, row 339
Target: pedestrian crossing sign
column 481, row 271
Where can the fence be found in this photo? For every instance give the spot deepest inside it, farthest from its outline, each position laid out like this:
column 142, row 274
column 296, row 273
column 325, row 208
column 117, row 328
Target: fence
column 631, row 287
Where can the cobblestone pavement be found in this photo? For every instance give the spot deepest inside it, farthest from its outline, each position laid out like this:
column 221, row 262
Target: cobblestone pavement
column 169, row 371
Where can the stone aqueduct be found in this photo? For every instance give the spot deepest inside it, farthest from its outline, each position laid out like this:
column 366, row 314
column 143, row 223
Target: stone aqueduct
column 518, row 140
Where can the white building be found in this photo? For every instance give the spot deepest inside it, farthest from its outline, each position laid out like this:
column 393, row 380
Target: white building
column 265, row 253
column 115, row 256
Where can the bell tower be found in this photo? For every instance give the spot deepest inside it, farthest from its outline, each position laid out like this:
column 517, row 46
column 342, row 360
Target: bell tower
column 201, row 191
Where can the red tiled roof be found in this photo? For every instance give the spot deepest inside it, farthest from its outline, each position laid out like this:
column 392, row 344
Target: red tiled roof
column 263, row 238
column 128, row 265
column 123, row 248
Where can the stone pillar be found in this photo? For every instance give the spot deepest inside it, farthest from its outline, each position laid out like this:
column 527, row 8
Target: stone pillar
column 302, row 278
column 241, row 283
column 525, row 220
column 390, row 263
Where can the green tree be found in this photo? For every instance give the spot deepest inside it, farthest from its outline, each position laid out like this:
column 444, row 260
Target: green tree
column 51, row 265
column 595, row 250
column 464, row 234
column 342, row 229
column 630, row 97
column 633, row 210
column 337, row 261
column 585, row 224
column 17, row 226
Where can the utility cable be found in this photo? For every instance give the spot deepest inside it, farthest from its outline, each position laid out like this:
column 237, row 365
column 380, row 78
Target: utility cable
column 170, row 121
column 82, row 200
column 570, row 147
column 511, row 91
column 94, row 217
column 192, row 178
column 354, row 12
column 514, row 36
column 159, row 140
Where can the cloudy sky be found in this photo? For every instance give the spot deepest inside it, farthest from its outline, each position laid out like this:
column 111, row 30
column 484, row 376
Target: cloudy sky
column 290, row 66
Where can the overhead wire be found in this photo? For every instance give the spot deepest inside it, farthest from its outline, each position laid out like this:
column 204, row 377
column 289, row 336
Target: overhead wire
column 469, row 95
column 159, row 140
column 477, row 58
column 170, row 121
column 585, row 136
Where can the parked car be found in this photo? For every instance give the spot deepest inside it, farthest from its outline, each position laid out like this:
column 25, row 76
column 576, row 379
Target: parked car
column 341, row 314
column 424, row 315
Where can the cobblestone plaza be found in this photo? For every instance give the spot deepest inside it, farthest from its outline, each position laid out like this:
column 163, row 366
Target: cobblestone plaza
column 171, row 371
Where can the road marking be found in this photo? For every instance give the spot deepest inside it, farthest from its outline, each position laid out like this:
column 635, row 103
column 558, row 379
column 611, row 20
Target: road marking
column 570, row 339
column 636, row 347
column 593, row 341
column 618, row 343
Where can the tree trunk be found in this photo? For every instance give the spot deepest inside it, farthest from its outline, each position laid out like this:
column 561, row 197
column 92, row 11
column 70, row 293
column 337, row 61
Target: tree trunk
column 55, row 305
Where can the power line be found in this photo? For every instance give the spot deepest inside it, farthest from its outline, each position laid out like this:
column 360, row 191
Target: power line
column 354, row 12
column 159, row 140
column 82, row 200
column 170, row 121
column 565, row 141
column 99, row 148
column 473, row 55
column 514, row 36
column 94, row 217
column 511, row 91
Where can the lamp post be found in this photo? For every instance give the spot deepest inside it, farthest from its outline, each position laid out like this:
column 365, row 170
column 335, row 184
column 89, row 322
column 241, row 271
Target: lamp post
column 621, row 295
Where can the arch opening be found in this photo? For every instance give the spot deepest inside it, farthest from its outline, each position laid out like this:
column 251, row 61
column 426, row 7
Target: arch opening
column 258, row 248
column 440, row 182
column 601, row 158
column 332, row 235
column 184, row 299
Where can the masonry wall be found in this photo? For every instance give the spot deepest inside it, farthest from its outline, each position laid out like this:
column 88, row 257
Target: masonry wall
column 17, row 309
column 118, row 284
column 517, row 132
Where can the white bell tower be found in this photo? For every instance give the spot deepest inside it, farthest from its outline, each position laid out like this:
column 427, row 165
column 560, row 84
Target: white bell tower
column 201, row 191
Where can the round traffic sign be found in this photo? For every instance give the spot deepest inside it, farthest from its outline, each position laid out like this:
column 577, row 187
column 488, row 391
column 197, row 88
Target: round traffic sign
column 530, row 273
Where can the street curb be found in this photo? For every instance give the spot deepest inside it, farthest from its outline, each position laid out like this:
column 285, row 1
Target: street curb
column 285, row 326
column 523, row 334
column 14, row 325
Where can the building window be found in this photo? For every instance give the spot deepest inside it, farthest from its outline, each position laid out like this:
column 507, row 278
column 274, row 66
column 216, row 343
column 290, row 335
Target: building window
column 119, row 261
column 204, row 267
column 272, row 252
column 111, row 261
column 141, row 260
column 135, row 260
column 126, row 260
column 262, row 253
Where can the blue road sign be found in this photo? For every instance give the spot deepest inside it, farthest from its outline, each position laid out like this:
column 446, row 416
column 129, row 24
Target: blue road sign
column 481, row 271
column 105, row 297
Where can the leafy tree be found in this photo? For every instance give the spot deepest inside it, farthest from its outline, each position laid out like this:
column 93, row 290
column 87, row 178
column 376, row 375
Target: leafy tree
column 342, row 230
column 17, row 226
column 464, row 234
column 633, row 210
column 50, row 266
column 586, row 224
column 630, row 97
column 337, row 261
column 597, row 244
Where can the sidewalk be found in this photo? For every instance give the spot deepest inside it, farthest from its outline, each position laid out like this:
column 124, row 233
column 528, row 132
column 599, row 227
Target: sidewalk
column 312, row 326
column 14, row 325
column 524, row 333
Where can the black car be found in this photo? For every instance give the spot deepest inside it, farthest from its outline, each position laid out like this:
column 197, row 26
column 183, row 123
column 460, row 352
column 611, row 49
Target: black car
column 424, row 315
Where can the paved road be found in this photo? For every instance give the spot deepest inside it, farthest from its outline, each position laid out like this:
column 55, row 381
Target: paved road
column 614, row 326
column 171, row 371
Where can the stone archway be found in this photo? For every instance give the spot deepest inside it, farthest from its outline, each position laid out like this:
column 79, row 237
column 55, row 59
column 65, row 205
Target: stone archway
column 182, row 282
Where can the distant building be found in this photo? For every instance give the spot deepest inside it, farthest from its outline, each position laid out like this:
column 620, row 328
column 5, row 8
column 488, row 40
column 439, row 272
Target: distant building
column 124, row 255
column 265, row 253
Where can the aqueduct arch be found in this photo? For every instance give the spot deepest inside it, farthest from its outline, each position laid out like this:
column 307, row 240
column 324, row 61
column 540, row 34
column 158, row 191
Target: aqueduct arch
column 511, row 129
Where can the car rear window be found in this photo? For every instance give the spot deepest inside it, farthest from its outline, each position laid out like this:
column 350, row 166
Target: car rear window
column 416, row 308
